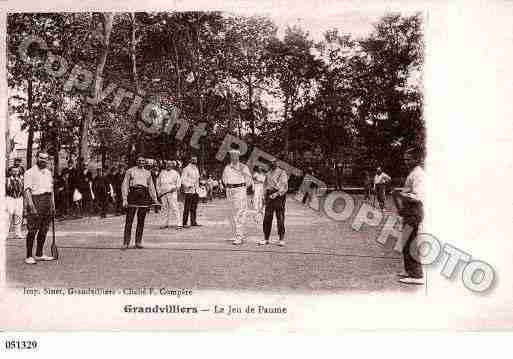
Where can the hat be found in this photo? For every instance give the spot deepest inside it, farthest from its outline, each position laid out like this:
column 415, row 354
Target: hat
column 172, row 163
column 42, row 155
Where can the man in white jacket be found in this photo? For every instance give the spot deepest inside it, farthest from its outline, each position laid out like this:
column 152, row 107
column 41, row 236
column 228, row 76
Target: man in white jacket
column 236, row 177
column 168, row 184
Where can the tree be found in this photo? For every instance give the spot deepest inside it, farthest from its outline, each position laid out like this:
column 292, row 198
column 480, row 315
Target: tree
column 389, row 105
column 294, row 67
column 246, row 44
column 102, row 27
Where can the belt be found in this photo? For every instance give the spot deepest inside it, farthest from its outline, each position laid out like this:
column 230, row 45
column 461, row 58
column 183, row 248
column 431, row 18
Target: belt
column 42, row 194
column 15, row 197
column 235, row 185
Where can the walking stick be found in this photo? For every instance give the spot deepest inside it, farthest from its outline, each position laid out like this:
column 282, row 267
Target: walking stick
column 53, row 248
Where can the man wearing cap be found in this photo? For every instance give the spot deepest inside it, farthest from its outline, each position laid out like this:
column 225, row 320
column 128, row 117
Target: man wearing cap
column 275, row 187
column 190, row 184
column 138, row 196
column 236, row 177
column 40, row 207
column 168, row 184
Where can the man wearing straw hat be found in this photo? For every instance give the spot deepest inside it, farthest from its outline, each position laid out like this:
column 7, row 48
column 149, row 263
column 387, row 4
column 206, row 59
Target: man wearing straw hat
column 236, row 177
column 138, row 196
column 40, row 207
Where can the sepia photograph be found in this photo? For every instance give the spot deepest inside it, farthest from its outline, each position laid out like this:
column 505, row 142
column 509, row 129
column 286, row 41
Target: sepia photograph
column 257, row 167
column 231, row 146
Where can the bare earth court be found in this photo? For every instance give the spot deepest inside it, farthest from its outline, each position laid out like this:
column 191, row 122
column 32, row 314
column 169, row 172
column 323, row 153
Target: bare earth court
column 320, row 255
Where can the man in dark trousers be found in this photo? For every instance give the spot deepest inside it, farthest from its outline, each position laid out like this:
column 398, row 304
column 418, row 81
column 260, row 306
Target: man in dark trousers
column 339, row 175
column 275, row 187
column 117, row 184
column 83, row 182
column 410, row 203
column 69, row 175
column 155, row 171
column 190, row 185
column 138, row 196
column 101, row 190
column 111, row 193
column 40, row 207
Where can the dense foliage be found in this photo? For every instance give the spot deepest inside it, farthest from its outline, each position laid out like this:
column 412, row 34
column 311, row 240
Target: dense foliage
column 343, row 99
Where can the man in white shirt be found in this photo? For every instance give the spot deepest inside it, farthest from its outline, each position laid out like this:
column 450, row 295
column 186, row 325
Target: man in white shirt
column 409, row 202
column 168, row 184
column 190, row 185
column 40, row 206
column 381, row 180
column 236, row 177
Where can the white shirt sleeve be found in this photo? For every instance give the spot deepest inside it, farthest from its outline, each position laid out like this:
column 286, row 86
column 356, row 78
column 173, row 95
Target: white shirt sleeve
column 416, row 190
column 248, row 178
column 27, row 180
column 186, row 177
column 225, row 175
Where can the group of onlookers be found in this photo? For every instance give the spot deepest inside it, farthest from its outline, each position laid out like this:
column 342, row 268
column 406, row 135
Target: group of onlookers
column 81, row 192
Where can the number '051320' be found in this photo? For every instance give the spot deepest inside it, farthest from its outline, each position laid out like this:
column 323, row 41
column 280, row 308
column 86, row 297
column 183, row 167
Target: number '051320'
column 20, row 344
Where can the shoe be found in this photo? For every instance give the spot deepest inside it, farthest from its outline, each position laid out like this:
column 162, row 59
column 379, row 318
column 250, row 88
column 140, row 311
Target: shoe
column 410, row 280
column 281, row 243
column 19, row 236
column 195, row 225
column 163, row 227
column 263, row 242
column 124, row 247
column 237, row 242
column 138, row 246
column 178, row 228
column 403, row 275
column 44, row 258
column 30, row 260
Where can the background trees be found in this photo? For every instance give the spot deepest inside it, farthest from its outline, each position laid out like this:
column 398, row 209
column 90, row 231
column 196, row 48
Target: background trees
column 354, row 100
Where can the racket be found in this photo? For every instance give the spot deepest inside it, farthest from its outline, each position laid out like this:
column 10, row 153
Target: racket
column 54, row 250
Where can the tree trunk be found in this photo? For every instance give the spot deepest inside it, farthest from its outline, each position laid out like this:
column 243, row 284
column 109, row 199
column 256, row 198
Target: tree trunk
column 178, row 77
column 133, row 53
column 30, row 141
column 107, row 19
column 104, row 156
column 250, row 107
column 56, row 159
column 287, row 128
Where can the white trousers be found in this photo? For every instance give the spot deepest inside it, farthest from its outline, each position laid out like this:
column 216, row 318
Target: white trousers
column 258, row 197
column 171, row 210
column 15, row 212
column 239, row 202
